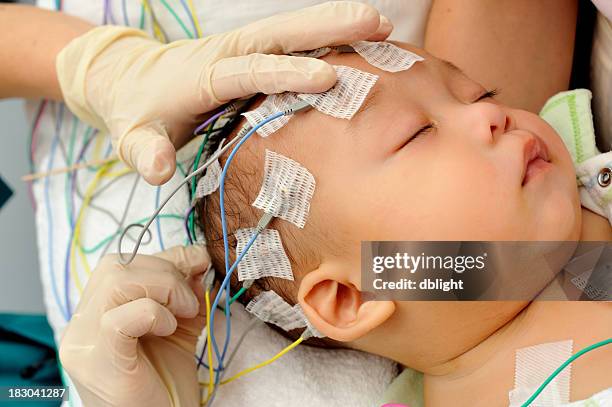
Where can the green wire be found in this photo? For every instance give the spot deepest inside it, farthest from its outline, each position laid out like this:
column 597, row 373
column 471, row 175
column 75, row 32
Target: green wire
column 180, row 167
column 563, row 366
column 237, row 295
column 142, row 16
column 95, row 168
column 196, row 164
column 177, row 18
column 110, row 237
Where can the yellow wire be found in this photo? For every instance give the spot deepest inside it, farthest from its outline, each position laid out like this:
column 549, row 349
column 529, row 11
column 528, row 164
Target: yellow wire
column 262, row 364
column 97, row 150
column 194, row 15
column 77, row 226
column 159, row 34
column 119, row 173
column 211, row 378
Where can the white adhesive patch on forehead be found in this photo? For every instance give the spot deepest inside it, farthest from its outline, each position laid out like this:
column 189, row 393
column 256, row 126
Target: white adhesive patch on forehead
column 271, row 308
column 265, row 258
column 286, row 190
column 386, row 56
column 346, row 96
column 533, row 365
column 271, row 104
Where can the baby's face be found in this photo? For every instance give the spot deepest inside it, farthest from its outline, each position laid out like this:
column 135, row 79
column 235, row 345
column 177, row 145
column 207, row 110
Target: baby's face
column 430, row 156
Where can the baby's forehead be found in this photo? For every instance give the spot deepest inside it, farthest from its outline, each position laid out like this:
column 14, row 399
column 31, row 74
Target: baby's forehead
column 417, row 81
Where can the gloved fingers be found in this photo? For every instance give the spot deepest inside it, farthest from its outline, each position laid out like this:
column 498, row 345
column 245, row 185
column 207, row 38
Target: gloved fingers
column 146, row 277
column 236, row 77
column 150, row 152
column 189, row 260
column 121, row 327
column 331, row 23
column 385, row 28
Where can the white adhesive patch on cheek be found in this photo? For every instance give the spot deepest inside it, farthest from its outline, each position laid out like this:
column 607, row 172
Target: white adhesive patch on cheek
column 386, row 56
column 272, row 104
column 265, row 258
column 533, row 365
column 271, row 308
column 286, row 190
column 346, row 96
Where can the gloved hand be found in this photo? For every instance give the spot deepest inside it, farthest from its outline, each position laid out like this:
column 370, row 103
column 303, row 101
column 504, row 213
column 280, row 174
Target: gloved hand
column 149, row 96
column 131, row 341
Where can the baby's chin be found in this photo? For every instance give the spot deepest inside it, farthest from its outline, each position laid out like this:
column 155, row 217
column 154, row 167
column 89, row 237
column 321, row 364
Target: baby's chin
column 558, row 217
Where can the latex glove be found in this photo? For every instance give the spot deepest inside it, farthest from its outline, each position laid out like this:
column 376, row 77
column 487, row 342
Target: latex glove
column 149, row 96
column 132, row 340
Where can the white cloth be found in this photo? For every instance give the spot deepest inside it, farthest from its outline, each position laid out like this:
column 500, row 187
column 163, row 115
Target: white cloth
column 569, row 113
column 605, row 7
column 601, row 399
column 308, row 377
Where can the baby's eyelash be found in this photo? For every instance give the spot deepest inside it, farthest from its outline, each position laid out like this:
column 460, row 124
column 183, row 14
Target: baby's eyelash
column 488, row 94
column 423, row 130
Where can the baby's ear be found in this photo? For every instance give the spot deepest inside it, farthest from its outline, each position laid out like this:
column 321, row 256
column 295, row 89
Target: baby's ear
column 333, row 303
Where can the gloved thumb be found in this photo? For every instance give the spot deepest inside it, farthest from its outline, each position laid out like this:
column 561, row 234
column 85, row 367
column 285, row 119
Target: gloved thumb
column 150, row 152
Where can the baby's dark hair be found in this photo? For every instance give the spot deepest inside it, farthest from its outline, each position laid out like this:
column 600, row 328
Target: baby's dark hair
column 242, row 183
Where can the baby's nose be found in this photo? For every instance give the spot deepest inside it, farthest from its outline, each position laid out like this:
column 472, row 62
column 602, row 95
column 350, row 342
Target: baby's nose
column 490, row 120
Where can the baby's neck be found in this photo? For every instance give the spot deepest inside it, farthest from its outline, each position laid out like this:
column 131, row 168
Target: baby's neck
column 485, row 374
column 595, row 227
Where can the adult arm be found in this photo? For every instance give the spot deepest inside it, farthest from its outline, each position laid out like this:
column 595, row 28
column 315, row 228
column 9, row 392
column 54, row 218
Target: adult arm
column 30, row 40
column 522, row 47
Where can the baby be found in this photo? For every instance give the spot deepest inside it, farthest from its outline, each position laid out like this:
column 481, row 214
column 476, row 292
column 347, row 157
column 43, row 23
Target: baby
column 430, row 155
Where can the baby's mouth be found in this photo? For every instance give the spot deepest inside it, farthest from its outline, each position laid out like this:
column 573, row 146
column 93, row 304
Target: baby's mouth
column 535, row 158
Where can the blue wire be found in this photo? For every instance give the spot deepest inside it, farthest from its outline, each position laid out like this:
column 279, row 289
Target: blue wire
column 126, row 20
column 54, row 145
column 228, row 270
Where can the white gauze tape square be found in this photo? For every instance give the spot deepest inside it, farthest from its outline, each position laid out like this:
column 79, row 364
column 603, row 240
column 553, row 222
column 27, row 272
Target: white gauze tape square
column 272, row 104
column 313, row 331
column 386, row 56
column 533, row 365
column 265, row 258
column 270, row 307
column 346, row 96
column 209, row 183
column 286, row 190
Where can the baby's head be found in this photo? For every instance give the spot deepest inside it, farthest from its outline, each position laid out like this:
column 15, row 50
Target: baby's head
column 430, row 155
